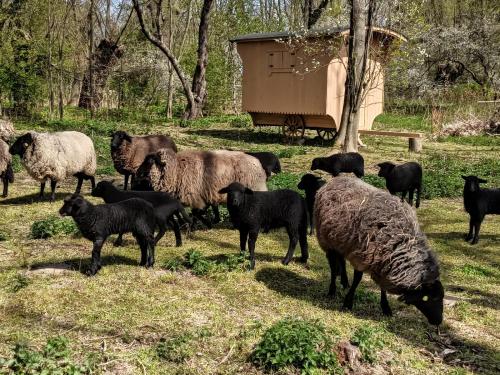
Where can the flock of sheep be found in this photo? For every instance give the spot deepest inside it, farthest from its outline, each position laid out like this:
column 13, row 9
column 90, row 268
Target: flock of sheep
column 374, row 230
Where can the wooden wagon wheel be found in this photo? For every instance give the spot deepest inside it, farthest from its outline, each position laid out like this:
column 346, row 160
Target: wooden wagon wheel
column 327, row 134
column 293, row 127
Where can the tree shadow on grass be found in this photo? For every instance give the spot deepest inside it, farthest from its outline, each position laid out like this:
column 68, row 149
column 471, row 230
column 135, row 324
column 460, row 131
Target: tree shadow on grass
column 33, row 198
column 82, row 264
column 479, row 297
column 407, row 323
column 256, row 136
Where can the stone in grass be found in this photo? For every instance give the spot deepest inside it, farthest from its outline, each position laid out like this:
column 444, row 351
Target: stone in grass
column 50, row 270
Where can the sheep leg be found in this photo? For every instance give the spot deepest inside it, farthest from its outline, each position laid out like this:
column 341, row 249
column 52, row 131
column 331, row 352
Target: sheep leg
column 304, row 251
column 293, row 237
column 243, row 240
column 410, row 196
column 471, row 231
column 150, row 243
column 403, row 195
column 92, row 182
column 252, row 239
column 79, row 176
column 384, row 303
column 215, row 209
column 119, row 241
column 343, row 273
column 177, row 232
column 95, row 266
column 419, row 190
column 42, row 189
column 125, row 183
column 143, row 245
column 5, row 187
column 53, row 185
column 197, row 213
column 332, row 261
column 349, row 298
column 311, row 220
column 477, row 227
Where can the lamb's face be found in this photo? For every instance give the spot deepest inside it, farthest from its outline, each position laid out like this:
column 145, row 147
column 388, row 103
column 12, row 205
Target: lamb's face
column 73, row 205
column 472, row 183
column 118, row 138
column 385, row 169
column 429, row 300
column 308, row 182
column 100, row 189
column 21, row 145
column 316, row 164
column 235, row 194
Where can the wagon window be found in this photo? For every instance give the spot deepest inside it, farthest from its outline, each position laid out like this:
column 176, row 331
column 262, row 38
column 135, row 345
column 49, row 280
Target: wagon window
column 280, row 61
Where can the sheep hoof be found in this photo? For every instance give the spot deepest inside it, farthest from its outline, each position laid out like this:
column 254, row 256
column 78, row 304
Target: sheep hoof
column 303, row 260
column 92, row 271
column 474, row 241
column 387, row 312
column 285, row 261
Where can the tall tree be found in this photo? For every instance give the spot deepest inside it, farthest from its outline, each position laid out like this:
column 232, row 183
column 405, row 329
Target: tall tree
column 360, row 36
column 312, row 13
column 196, row 92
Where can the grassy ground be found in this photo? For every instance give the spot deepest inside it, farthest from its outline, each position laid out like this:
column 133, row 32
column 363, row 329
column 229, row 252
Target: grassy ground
column 117, row 320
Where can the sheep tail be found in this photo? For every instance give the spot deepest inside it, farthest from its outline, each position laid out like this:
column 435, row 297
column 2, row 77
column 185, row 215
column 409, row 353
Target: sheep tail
column 9, row 173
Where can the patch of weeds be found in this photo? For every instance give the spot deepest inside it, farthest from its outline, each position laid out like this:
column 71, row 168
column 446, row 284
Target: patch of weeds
column 3, row 236
column 53, row 358
column 374, row 180
column 290, row 151
column 285, row 180
column 475, row 271
column 201, row 266
column 53, row 226
column 369, row 339
column 176, row 349
column 243, row 121
column 302, row 344
column 17, row 282
column 16, row 164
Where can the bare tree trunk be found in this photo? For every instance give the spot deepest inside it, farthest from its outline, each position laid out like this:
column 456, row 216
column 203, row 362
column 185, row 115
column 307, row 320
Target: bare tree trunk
column 199, row 86
column 358, row 51
column 49, row 59
column 311, row 14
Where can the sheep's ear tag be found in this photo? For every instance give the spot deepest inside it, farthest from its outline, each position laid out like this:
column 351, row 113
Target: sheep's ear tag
column 425, row 298
column 25, row 144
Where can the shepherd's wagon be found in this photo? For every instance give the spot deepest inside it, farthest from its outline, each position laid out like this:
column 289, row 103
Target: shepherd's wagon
column 296, row 81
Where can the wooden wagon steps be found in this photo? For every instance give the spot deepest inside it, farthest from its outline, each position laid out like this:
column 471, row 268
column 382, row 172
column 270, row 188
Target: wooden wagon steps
column 414, row 139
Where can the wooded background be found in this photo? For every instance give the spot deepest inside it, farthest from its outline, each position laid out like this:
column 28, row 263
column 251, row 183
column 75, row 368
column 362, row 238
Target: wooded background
column 453, row 53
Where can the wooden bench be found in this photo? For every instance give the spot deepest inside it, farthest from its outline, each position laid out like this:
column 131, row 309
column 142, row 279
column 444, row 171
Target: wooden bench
column 414, row 139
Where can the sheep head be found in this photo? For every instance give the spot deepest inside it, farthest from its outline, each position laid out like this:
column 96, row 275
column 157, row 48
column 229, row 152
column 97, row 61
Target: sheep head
column 316, row 164
column 21, row 144
column 101, row 188
column 117, row 139
column 428, row 299
column 472, row 183
column 235, row 193
column 74, row 205
column 309, row 181
column 385, row 168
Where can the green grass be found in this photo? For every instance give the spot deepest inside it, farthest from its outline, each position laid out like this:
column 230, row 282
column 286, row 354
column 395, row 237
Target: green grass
column 169, row 320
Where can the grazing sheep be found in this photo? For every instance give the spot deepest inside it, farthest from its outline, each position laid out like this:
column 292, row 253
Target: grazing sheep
column 6, row 130
column 128, row 152
column 97, row 223
column 335, row 164
column 269, row 162
column 250, row 211
column 402, row 179
column 56, row 156
column 195, row 177
column 310, row 184
column 478, row 203
column 165, row 207
column 6, row 171
column 380, row 235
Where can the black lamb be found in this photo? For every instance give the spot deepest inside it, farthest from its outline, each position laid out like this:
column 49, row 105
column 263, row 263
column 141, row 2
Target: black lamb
column 349, row 162
column 269, row 161
column 252, row 210
column 403, row 178
column 98, row 222
column 478, row 203
column 165, row 207
column 310, row 184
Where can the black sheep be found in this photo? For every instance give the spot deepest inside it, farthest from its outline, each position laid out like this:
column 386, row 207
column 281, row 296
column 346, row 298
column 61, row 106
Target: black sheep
column 478, row 203
column 97, row 223
column 344, row 162
column 269, row 161
column 164, row 205
column 310, row 184
column 252, row 210
column 403, row 178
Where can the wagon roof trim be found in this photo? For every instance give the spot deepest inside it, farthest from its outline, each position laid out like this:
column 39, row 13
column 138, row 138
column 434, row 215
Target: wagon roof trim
column 317, row 33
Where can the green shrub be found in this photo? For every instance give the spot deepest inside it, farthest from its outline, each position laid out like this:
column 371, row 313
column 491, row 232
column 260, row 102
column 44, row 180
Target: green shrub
column 53, row 226
column 374, row 180
column 17, row 282
column 201, row 266
column 243, row 121
column 176, row 349
column 284, row 180
column 53, row 358
column 369, row 339
column 299, row 343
